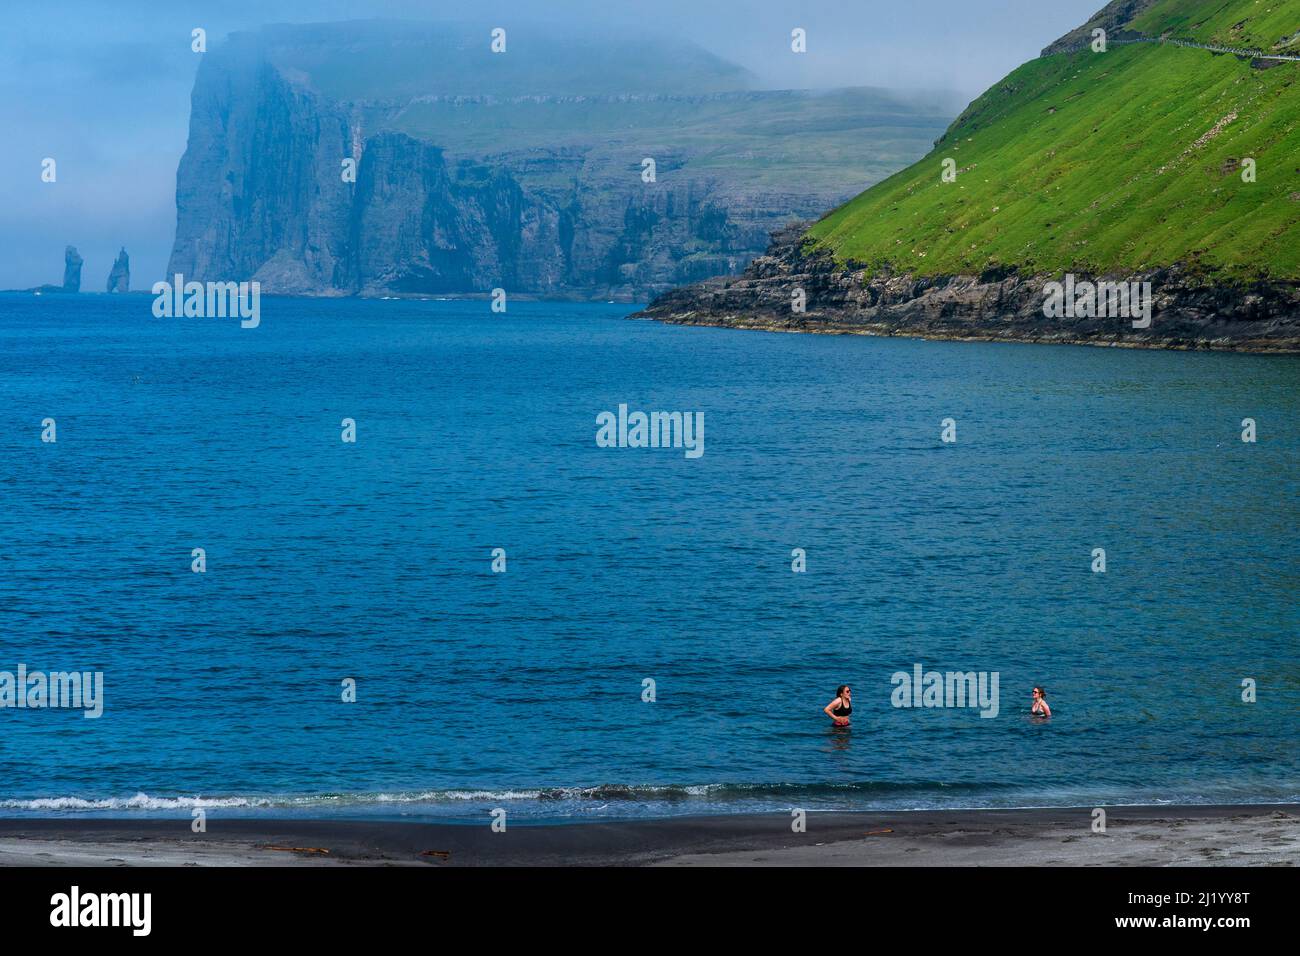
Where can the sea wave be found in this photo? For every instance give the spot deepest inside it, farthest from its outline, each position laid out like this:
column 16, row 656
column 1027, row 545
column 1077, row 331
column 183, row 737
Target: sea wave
column 600, row 792
column 141, row 801
column 639, row 799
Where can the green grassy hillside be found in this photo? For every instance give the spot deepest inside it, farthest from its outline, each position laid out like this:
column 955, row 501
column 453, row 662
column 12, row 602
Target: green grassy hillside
column 1267, row 25
column 1105, row 162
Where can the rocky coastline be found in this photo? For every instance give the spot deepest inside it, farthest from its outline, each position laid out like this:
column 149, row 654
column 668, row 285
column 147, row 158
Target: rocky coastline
column 1000, row 305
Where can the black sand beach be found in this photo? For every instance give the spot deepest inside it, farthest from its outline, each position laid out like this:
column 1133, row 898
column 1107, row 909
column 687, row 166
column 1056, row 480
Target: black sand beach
column 1267, row 835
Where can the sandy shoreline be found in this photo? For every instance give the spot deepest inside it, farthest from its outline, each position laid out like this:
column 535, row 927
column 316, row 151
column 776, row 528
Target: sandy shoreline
column 1267, row 835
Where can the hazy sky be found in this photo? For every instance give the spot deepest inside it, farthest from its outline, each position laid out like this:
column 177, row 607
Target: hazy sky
column 103, row 87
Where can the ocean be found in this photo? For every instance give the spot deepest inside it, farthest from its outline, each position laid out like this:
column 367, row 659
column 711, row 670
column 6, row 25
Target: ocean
column 335, row 568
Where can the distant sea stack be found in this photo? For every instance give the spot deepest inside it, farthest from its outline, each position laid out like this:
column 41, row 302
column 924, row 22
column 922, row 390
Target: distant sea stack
column 71, row 270
column 1073, row 188
column 119, row 280
column 380, row 158
column 71, row 276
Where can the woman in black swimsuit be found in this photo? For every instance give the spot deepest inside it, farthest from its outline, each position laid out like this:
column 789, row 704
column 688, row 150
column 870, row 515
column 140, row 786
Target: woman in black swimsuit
column 1039, row 707
column 839, row 709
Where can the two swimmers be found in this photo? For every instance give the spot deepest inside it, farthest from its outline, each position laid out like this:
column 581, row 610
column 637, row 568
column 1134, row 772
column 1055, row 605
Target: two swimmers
column 839, row 709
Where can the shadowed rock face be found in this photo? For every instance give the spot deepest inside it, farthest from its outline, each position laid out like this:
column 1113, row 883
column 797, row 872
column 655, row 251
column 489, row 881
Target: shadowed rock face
column 119, row 279
column 996, row 306
column 71, row 270
column 528, row 185
column 1110, row 18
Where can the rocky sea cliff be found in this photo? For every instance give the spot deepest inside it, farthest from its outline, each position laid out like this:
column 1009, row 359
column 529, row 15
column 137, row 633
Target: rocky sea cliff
column 380, row 159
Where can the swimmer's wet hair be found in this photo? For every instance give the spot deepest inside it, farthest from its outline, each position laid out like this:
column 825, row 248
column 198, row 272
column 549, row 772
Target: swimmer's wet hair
column 839, row 691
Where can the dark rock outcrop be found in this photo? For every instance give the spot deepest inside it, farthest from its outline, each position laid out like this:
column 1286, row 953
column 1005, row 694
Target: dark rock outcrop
column 71, row 270
column 1110, row 18
column 1189, row 312
column 119, row 279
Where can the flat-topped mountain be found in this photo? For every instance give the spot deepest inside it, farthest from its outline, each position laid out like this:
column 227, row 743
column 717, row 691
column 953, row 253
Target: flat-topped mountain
column 567, row 165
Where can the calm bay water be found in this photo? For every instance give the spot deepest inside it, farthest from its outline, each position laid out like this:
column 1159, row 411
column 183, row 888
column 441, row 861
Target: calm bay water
column 475, row 690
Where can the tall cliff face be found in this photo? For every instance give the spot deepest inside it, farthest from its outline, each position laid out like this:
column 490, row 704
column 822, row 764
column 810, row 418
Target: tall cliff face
column 528, row 185
column 419, row 226
column 258, row 191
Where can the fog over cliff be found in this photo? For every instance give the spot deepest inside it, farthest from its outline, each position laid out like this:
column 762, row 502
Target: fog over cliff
column 381, row 157
column 105, row 89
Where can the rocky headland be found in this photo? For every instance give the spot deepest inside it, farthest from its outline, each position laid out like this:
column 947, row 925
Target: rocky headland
column 407, row 159
column 998, row 305
column 1078, row 169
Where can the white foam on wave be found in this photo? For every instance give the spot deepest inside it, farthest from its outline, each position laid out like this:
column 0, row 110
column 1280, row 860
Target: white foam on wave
column 145, row 802
column 605, row 795
column 141, row 801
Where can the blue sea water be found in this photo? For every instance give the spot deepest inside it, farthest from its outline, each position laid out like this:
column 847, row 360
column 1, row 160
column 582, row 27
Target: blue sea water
column 523, row 690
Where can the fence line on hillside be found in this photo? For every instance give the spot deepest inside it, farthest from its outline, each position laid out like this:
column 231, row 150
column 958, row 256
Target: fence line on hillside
column 1192, row 44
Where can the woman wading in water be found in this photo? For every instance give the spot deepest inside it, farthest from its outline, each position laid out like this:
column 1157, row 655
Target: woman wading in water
column 1040, row 708
column 839, row 709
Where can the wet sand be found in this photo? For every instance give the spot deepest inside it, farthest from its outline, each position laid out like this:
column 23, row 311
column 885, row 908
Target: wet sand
column 1135, row 836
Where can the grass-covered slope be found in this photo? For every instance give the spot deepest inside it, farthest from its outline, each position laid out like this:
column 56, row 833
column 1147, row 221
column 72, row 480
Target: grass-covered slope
column 1266, row 25
column 1108, row 162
